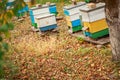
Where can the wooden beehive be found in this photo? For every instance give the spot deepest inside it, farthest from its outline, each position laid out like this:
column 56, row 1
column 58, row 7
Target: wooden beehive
column 94, row 20
column 10, row 3
column 46, row 22
column 36, row 11
column 72, row 15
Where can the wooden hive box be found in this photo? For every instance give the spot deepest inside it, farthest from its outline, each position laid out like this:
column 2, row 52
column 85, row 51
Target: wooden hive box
column 72, row 15
column 46, row 22
column 36, row 11
column 93, row 14
column 94, row 20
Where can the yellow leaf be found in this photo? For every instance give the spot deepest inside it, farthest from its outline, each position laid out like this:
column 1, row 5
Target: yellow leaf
column 92, row 65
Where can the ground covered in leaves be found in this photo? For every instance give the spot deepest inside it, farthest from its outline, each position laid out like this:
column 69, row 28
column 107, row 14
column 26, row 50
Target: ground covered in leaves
column 55, row 56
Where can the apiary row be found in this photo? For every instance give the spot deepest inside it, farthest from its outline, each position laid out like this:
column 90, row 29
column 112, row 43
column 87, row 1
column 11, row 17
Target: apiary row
column 91, row 20
column 21, row 11
column 42, row 17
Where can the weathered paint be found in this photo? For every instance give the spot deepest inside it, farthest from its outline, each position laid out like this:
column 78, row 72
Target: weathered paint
column 96, row 26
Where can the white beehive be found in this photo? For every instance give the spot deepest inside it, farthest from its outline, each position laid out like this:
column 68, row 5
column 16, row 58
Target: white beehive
column 46, row 21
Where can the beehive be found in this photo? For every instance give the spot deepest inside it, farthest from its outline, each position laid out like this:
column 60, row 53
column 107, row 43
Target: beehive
column 46, row 22
column 53, row 9
column 36, row 11
column 10, row 3
column 94, row 20
column 72, row 15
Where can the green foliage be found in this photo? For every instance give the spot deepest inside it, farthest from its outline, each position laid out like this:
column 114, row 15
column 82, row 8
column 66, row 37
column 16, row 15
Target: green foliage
column 6, row 25
column 87, row 1
column 54, row 1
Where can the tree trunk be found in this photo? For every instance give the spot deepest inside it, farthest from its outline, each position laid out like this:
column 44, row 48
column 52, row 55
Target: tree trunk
column 113, row 20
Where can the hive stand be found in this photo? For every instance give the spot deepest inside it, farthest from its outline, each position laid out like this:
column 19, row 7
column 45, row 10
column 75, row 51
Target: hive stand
column 100, row 41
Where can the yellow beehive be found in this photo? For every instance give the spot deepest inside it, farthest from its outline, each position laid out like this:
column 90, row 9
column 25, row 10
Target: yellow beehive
column 96, row 26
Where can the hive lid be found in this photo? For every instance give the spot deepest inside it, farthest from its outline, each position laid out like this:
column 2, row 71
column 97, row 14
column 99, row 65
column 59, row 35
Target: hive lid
column 44, row 15
column 85, row 8
column 74, row 6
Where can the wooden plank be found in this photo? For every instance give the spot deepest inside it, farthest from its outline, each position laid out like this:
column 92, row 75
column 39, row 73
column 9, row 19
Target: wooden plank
column 99, row 41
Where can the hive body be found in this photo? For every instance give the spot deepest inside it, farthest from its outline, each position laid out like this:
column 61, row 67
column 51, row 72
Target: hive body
column 46, row 22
